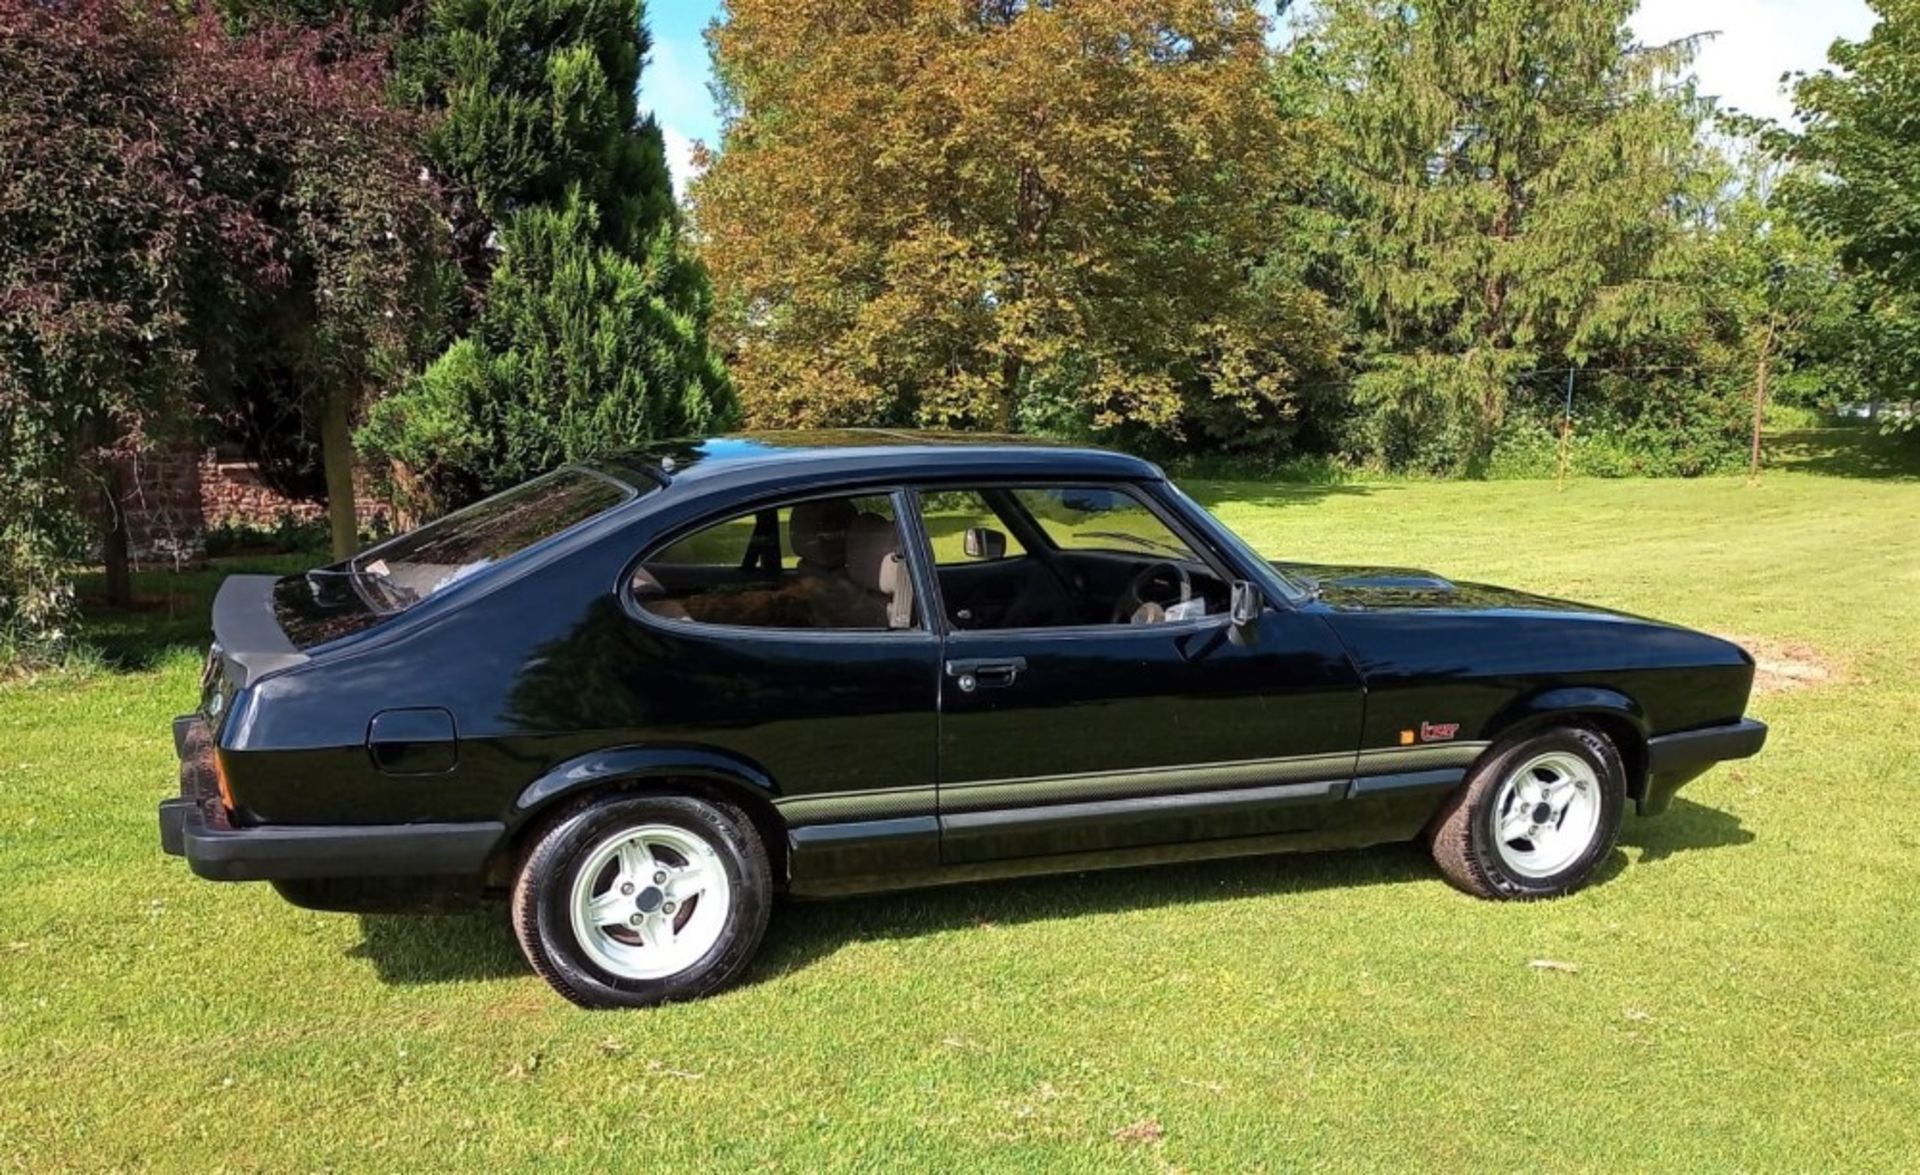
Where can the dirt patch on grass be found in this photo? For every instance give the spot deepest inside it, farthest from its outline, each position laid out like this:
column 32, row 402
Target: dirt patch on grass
column 1783, row 666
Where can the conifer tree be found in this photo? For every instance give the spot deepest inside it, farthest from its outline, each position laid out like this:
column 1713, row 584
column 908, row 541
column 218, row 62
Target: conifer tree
column 1508, row 174
column 589, row 329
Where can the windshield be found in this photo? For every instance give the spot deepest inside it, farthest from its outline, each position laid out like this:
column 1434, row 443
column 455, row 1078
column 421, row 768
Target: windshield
column 408, row 568
column 1230, row 537
column 1097, row 518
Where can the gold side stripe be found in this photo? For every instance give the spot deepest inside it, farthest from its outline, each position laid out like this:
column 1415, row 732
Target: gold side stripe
column 878, row 804
column 984, row 794
column 1113, row 785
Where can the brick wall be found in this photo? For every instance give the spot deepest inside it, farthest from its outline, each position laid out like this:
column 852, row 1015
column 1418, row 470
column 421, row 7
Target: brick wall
column 231, row 492
column 175, row 495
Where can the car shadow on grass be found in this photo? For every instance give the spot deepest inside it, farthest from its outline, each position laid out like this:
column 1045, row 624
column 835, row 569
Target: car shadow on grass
column 440, row 948
column 1683, row 827
column 802, row 933
column 478, row 945
column 1216, row 492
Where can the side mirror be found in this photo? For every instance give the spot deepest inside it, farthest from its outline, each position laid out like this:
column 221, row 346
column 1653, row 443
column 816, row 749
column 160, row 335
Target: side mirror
column 1245, row 604
column 982, row 542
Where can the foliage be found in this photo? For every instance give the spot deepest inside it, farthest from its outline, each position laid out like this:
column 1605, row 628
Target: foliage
column 1860, row 186
column 1859, row 117
column 289, row 534
column 555, row 367
column 168, row 182
column 368, row 286
column 1508, row 178
column 589, row 313
column 103, row 224
column 1009, row 215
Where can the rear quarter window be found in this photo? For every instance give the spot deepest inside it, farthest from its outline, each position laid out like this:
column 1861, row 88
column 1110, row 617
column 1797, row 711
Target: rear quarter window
column 331, row 602
column 410, row 567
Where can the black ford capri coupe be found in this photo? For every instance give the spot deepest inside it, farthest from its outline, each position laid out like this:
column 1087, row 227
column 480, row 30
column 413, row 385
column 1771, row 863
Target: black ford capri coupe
column 642, row 696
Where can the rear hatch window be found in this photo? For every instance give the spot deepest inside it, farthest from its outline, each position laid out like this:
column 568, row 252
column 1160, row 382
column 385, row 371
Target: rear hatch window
column 330, row 602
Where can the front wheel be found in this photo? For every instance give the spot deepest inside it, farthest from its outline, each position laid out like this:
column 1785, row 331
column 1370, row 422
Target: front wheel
column 1536, row 818
column 636, row 900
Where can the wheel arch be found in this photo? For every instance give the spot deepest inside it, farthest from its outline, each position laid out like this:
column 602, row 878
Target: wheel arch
column 1613, row 713
column 696, row 771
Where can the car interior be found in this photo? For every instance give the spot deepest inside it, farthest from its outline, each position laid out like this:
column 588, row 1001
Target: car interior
column 1005, row 558
column 1049, row 557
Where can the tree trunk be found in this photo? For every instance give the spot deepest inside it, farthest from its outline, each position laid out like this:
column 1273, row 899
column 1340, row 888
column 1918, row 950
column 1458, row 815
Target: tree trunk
column 114, row 553
column 409, row 495
column 1010, row 369
column 336, row 456
column 1760, row 401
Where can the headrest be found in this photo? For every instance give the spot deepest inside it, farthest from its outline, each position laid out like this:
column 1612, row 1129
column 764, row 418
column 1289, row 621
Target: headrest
column 817, row 532
column 870, row 540
column 875, row 564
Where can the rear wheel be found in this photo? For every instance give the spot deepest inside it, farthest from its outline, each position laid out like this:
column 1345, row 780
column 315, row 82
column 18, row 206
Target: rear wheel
column 1536, row 818
column 631, row 901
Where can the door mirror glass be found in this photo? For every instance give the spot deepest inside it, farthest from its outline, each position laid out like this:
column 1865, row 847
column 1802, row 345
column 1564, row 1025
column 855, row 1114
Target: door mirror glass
column 1245, row 603
column 983, row 542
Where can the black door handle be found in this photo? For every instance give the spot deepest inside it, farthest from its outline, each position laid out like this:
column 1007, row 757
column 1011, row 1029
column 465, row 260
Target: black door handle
column 994, row 672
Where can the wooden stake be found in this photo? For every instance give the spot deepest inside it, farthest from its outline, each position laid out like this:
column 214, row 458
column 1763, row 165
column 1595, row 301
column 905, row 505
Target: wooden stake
column 1566, row 435
column 1760, row 400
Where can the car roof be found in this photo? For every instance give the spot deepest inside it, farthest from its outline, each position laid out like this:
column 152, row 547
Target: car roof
column 796, row 456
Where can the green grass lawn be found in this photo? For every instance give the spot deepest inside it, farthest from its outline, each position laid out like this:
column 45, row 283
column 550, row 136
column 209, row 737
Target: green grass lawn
column 1747, row 992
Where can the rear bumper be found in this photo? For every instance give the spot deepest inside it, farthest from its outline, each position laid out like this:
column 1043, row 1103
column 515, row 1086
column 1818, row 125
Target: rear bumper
column 218, row 851
column 195, row 825
column 1674, row 760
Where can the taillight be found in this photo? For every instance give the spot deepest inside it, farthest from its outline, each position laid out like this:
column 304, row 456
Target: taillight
column 220, row 779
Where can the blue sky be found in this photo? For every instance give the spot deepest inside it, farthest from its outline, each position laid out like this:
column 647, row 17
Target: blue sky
column 1758, row 41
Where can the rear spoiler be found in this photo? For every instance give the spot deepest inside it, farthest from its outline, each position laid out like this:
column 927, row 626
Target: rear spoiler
column 249, row 640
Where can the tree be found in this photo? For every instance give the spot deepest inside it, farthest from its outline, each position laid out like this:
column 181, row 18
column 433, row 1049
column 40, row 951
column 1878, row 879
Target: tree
column 1006, row 214
column 165, row 178
column 1507, row 175
column 1860, row 164
column 366, row 283
column 1777, row 291
column 588, row 326
column 102, row 234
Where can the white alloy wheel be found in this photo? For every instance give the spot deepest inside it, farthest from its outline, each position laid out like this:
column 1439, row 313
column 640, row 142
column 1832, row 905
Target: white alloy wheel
column 1546, row 814
column 650, row 901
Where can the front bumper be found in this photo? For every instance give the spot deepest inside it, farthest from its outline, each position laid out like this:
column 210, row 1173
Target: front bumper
column 1674, row 760
column 195, row 825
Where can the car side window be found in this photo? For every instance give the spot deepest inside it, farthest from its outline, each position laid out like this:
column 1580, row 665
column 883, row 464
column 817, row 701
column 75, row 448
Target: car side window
column 820, row 563
column 963, row 528
column 1108, row 559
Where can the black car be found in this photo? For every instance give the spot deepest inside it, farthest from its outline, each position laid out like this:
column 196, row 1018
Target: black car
column 645, row 695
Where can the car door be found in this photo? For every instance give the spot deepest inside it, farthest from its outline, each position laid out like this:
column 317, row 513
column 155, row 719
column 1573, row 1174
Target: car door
column 789, row 636
column 1075, row 736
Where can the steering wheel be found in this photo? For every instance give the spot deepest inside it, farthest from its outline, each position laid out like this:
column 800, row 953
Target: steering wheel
column 1144, row 602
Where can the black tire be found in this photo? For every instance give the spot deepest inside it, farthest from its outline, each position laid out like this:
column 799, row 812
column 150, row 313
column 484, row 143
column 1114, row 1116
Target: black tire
column 544, row 884
column 1467, row 846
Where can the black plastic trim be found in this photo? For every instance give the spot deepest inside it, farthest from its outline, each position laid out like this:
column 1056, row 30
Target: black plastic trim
column 1689, row 749
column 864, row 848
column 279, row 852
column 1674, row 760
column 1443, row 777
